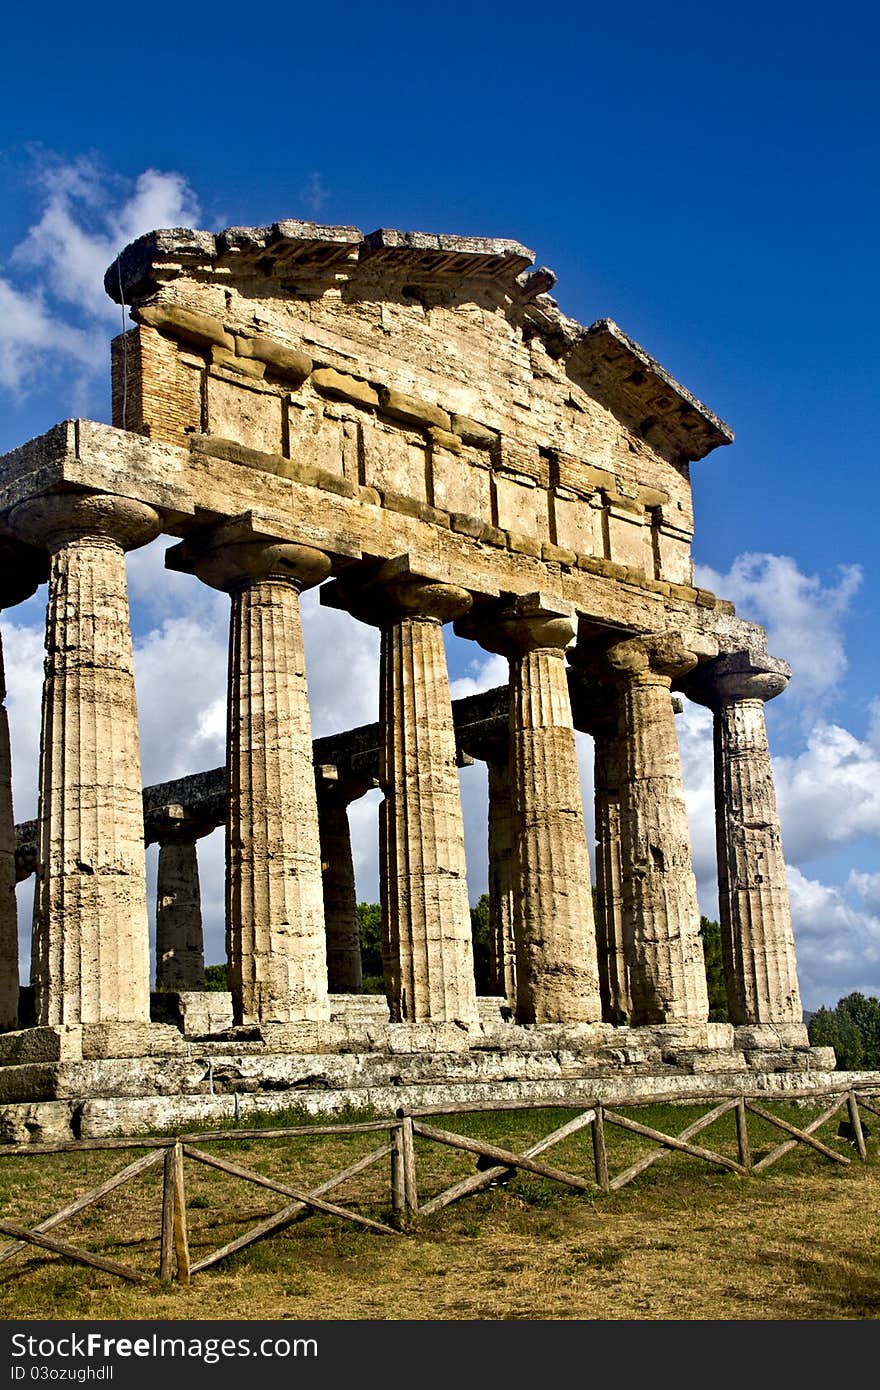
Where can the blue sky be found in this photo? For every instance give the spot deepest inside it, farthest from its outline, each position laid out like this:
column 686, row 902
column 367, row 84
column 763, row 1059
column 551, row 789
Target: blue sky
column 706, row 178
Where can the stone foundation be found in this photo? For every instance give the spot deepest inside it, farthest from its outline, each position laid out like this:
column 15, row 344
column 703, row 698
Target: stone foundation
column 94, row 1081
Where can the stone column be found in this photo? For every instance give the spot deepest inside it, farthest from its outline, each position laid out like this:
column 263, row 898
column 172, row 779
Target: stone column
column 556, row 967
column 609, row 762
column 180, row 947
column 344, row 971
column 595, row 707
column 428, row 925
column 91, row 947
column 757, row 939
column 22, row 569
column 661, row 916
column 426, row 929
column 275, row 914
column 502, row 870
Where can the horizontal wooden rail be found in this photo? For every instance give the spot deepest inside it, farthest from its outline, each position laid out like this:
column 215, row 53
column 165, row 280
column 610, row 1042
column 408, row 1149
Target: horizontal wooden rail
column 248, row 1175
column 802, row 1135
column 477, row 1181
column 501, row 1156
column 643, row 1164
column 707, row 1155
column 288, row 1213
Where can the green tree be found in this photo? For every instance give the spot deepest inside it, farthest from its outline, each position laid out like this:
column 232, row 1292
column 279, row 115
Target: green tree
column 852, row 1028
column 370, row 929
column 480, row 938
column 711, row 933
column 216, row 977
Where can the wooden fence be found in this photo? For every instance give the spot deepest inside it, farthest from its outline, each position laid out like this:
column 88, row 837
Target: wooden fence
column 400, row 1133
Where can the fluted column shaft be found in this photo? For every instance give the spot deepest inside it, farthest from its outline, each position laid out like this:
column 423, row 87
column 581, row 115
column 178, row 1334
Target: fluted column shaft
column 609, row 763
column 502, row 876
column 425, row 903
column 661, row 915
column 9, row 981
column 757, row 939
column 90, row 958
column 180, row 947
column 557, row 977
column 344, row 968
column 557, row 971
column 275, row 912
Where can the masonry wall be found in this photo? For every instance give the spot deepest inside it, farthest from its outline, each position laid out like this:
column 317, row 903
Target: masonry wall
column 470, row 417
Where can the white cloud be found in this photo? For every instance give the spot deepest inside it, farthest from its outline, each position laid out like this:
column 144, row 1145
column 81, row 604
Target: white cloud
column 484, row 673
column 29, row 333
column 803, row 616
column 342, row 663
column 23, row 653
column 867, row 886
column 54, row 311
column 829, row 793
column 314, row 194
column 838, row 945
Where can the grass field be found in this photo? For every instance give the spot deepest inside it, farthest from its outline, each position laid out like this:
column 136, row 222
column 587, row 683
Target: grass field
column 685, row 1241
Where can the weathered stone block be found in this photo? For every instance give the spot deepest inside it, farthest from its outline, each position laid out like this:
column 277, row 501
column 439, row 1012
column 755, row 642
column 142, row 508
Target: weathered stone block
column 241, row 366
column 242, row 413
column 459, row 483
column 342, row 387
column 280, row 360
column 684, row 592
column 472, row 432
column 493, row 535
column 130, row 1040
column 413, row 411
column 558, row 554
column 467, row 525
column 444, row 439
column 188, row 324
column 394, row 461
column 525, row 545
column 522, row 508
column 44, row 1044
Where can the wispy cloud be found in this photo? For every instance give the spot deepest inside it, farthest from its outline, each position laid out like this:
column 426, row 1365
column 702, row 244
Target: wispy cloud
column 803, row 615
column 313, row 193
column 54, row 312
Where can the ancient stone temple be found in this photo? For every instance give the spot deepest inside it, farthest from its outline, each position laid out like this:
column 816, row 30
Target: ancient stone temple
column 411, row 423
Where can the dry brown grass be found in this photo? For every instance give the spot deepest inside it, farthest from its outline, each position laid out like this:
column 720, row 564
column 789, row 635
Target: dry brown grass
column 685, row 1241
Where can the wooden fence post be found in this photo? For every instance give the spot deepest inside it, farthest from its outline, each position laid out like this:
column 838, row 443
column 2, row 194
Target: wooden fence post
column 181, row 1238
column 398, row 1189
column 600, row 1154
column 856, row 1121
column 408, row 1155
column 166, row 1262
column 742, row 1135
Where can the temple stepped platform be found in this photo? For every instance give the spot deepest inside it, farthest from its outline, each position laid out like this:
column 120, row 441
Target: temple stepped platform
column 66, row 1083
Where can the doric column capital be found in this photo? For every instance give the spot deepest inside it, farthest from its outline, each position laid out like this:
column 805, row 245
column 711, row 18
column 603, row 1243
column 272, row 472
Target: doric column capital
column 234, row 565
column 56, row 518
column 174, row 824
column 736, row 676
column 342, row 785
column 532, row 622
column 650, row 659
column 381, row 601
